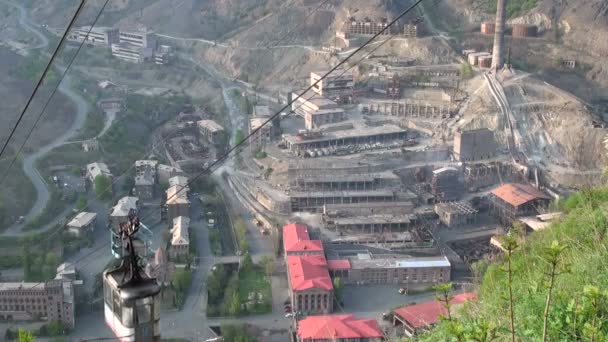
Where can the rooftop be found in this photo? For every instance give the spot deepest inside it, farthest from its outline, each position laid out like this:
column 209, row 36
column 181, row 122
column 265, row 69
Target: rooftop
column 313, row 98
column 82, row 219
column 261, row 112
column 151, row 163
column 445, row 169
column 308, row 272
column 180, row 181
column 210, row 125
column 517, row 194
column 353, row 193
column 456, row 208
column 123, row 206
column 328, row 177
column 296, row 239
column 332, row 327
column 98, row 169
column 375, row 219
column 180, row 231
column 367, row 131
column 144, row 179
column 339, row 73
column 177, row 195
column 21, row 286
column 363, row 261
column 338, row 264
column 426, row 314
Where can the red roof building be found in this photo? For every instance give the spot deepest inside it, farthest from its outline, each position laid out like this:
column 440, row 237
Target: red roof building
column 512, row 200
column 338, row 328
column 424, row 315
column 311, row 288
column 338, row 268
column 296, row 241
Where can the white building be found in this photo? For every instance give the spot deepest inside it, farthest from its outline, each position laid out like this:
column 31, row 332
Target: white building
column 132, row 53
column 120, row 211
column 143, row 38
column 97, row 36
column 167, row 171
column 98, row 169
column 82, row 224
column 180, row 240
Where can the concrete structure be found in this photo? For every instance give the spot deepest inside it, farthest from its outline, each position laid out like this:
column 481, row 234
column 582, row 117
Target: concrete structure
column 316, row 109
column 310, row 288
column 338, row 328
column 160, row 267
column 348, row 139
column 454, row 214
column 366, row 26
column 411, row 241
column 111, row 104
column 167, row 171
column 146, row 166
column 98, row 169
column 90, row 145
column 488, row 27
column 447, row 184
column 512, row 200
column 120, row 211
column 331, row 182
column 96, row 36
column 499, row 36
column 410, row 30
column 179, row 181
column 474, row 145
column 473, row 58
column 379, row 208
column 296, row 241
column 180, row 240
column 144, row 185
column 211, row 130
column 177, row 203
column 366, row 268
column 540, row 222
column 338, row 82
column 82, row 224
column 417, row 318
column 315, row 200
column 370, row 223
column 264, row 135
column 143, row 38
column 50, row 301
column 484, row 61
column 131, row 53
column 409, row 108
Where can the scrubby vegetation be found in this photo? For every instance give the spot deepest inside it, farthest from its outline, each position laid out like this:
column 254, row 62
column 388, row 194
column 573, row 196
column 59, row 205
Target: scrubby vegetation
column 558, row 278
column 515, row 8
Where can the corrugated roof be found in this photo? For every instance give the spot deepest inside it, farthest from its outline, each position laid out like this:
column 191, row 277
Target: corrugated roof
column 296, row 239
column 517, row 194
column 308, row 272
column 426, row 314
column 332, row 327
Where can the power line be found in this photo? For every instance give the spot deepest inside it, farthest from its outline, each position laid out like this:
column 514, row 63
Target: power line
column 44, row 72
column 272, row 117
column 48, row 101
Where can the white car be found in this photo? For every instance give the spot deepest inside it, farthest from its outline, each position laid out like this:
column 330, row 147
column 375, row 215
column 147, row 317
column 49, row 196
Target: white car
column 289, row 315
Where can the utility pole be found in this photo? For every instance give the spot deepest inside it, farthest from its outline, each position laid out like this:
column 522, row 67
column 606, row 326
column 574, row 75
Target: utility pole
column 499, row 36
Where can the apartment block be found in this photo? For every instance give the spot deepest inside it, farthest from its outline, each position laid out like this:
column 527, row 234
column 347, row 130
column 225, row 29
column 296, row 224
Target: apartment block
column 180, row 240
column 338, row 82
column 131, row 53
column 142, row 38
column 316, row 109
column 96, row 36
column 211, row 130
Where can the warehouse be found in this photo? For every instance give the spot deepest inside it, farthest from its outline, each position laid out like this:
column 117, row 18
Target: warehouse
column 315, row 200
column 454, row 214
column 512, row 200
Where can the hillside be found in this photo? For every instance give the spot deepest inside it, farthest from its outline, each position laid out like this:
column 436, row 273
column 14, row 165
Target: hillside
column 577, row 310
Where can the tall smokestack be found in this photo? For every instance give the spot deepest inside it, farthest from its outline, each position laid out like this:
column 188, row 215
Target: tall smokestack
column 499, row 36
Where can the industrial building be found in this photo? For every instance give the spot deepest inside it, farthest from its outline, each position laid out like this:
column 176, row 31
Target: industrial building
column 337, row 83
column 447, row 184
column 415, row 240
column 366, row 26
column 82, row 224
column 332, row 182
column 264, row 135
column 348, row 139
column 145, row 166
column 524, row 30
column 316, row 109
column 474, row 145
column 296, row 241
column 131, row 53
column 409, row 108
column 410, row 30
column 143, row 38
column 454, row 214
column 512, row 200
column 370, row 223
column 315, row 200
column 473, row 58
column 338, row 328
column 488, row 27
column 367, row 268
column 96, row 36
column 417, row 318
column 354, row 209
column 167, row 171
column 211, row 130
column 52, row 300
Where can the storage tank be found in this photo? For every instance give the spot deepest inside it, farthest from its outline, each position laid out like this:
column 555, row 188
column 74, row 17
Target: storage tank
column 524, row 30
column 484, row 61
column 473, row 58
column 488, row 27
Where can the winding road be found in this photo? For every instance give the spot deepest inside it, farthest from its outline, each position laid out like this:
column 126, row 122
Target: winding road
column 82, row 107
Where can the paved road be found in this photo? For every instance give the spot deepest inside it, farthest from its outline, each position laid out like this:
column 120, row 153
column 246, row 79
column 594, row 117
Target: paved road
column 82, row 107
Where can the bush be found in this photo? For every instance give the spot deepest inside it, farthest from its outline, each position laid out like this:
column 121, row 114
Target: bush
column 103, row 187
column 260, row 154
column 466, row 71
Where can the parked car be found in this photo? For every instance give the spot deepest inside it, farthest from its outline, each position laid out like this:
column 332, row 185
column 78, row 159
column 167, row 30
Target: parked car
column 288, row 315
column 402, row 291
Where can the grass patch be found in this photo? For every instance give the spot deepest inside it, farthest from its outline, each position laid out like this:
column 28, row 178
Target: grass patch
column 17, row 196
column 254, row 281
column 54, row 207
column 215, row 240
column 92, row 126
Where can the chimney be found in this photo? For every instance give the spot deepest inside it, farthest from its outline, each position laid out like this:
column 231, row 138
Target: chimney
column 499, row 36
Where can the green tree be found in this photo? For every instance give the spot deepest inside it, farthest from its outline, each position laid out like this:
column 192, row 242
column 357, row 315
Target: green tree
column 552, row 255
column 103, row 187
column 81, row 202
column 338, row 287
column 509, row 243
column 466, row 71
column 181, row 280
column 247, row 264
column 26, row 336
column 234, row 303
column 269, row 266
column 444, row 296
column 55, row 328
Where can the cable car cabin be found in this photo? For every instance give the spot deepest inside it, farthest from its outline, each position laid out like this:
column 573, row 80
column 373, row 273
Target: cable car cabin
column 141, row 242
column 131, row 308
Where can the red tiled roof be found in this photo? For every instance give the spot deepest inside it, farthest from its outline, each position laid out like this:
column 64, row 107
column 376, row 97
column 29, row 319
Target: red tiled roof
column 296, row 239
column 342, row 264
column 308, row 272
column 426, row 314
column 517, row 194
column 332, row 327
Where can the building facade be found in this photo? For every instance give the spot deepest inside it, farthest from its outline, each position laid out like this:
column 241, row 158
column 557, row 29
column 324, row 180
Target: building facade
column 211, row 130
column 144, row 186
column 316, row 109
column 512, row 200
column 338, row 82
column 82, row 224
column 131, row 53
column 180, row 240
column 96, row 36
column 310, row 287
column 50, row 301
column 177, row 203
column 120, row 211
column 143, row 38
column 474, row 145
